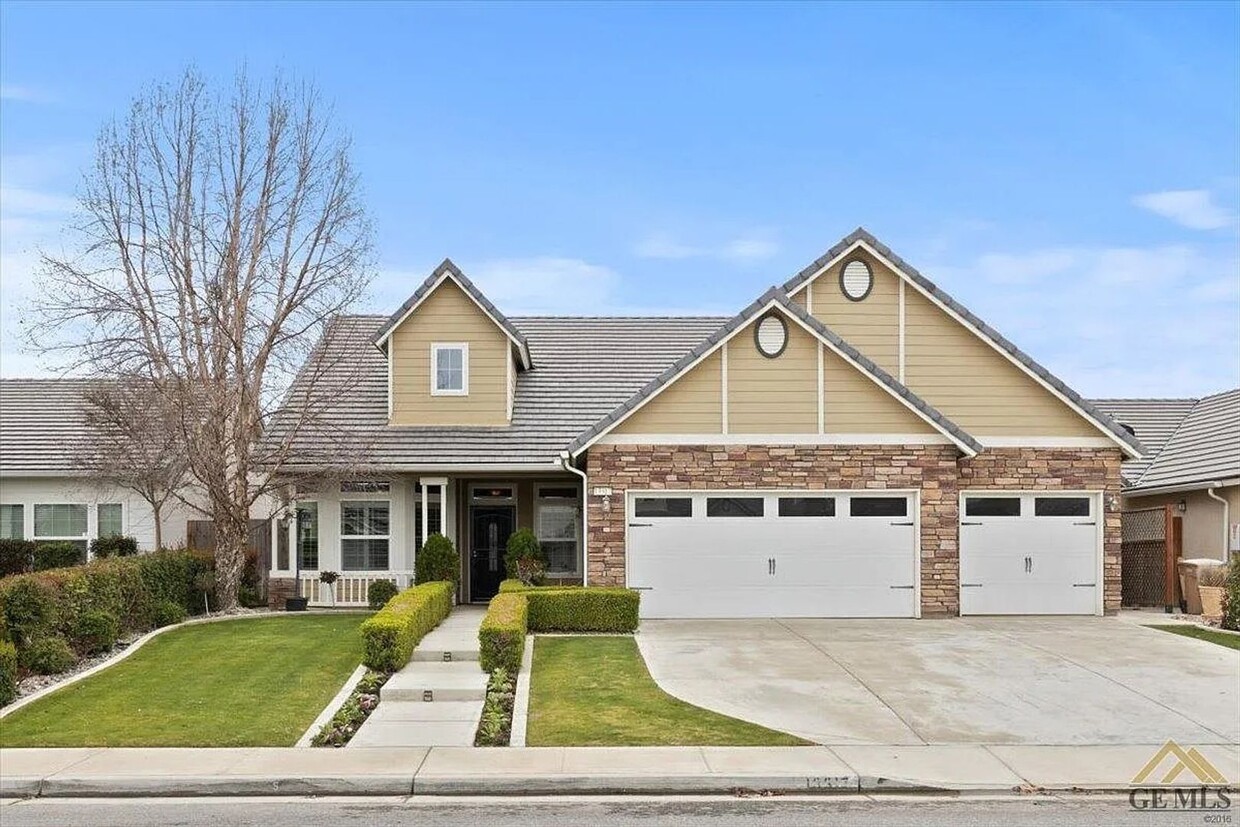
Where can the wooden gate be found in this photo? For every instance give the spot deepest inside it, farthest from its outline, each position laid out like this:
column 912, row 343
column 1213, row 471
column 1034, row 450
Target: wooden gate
column 1151, row 547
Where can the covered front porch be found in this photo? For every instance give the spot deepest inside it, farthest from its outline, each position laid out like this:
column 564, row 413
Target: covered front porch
column 367, row 529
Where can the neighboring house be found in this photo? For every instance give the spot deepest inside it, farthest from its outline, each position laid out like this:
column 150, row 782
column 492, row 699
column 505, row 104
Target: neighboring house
column 1192, row 463
column 854, row 443
column 44, row 493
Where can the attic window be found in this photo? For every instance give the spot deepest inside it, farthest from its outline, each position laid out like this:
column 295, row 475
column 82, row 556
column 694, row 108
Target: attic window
column 450, row 369
column 856, row 280
column 771, row 335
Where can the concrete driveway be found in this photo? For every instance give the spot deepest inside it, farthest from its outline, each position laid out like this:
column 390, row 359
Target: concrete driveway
column 961, row 681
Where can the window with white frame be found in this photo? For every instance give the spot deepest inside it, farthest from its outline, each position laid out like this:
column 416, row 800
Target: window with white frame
column 364, row 537
column 308, row 536
column 12, row 522
column 450, row 369
column 61, row 523
column 557, row 519
column 110, row 520
column 434, row 517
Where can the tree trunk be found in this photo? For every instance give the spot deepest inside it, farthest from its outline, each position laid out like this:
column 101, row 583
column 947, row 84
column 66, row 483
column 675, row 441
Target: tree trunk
column 156, row 510
column 231, row 543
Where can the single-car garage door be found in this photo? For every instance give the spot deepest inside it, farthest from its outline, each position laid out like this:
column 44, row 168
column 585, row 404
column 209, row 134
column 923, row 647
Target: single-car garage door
column 773, row 554
column 1029, row 554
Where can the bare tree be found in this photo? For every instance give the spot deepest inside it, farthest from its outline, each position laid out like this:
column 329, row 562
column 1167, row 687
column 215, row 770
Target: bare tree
column 221, row 233
column 135, row 443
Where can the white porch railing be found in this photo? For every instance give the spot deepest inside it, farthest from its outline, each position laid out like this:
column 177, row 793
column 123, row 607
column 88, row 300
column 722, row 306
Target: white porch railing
column 349, row 589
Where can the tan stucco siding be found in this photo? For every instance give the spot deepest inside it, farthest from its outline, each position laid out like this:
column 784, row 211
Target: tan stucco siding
column 871, row 325
column 971, row 383
column 773, row 396
column 447, row 316
column 1202, row 518
column 693, row 404
column 854, row 404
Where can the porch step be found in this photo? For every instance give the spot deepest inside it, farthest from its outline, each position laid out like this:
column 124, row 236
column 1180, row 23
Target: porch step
column 429, row 681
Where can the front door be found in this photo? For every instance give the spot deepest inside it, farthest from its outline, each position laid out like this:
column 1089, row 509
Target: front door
column 490, row 527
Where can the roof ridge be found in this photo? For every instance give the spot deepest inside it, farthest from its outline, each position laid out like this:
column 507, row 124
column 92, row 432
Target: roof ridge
column 1170, row 437
column 1148, row 398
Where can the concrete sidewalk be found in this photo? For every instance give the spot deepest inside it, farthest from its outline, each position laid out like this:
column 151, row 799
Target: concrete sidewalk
column 573, row 770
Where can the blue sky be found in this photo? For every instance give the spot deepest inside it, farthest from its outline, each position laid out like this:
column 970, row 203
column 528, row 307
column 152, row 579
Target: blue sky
column 1071, row 172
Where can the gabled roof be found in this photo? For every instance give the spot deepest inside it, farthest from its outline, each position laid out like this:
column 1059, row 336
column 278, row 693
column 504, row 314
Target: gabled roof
column 448, row 270
column 1153, row 420
column 861, row 237
column 1203, row 446
column 775, row 297
column 43, row 426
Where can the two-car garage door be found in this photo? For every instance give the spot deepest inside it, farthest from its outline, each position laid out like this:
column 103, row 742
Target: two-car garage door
column 776, row 554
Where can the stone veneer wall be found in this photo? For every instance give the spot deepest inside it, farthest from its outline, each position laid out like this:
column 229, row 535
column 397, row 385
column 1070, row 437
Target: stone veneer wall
column 937, row 471
column 278, row 589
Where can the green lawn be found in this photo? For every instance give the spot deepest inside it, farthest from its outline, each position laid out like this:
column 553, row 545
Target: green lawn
column 1200, row 633
column 595, row 691
column 254, row 682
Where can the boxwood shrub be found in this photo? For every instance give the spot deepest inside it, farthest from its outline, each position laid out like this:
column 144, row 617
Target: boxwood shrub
column 57, row 556
column 577, row 608
column 96, row 631
column 114, row 546
column 8, row 672
column 16, row 556
column 380, row 592
column 47, row 656
column 501, row 638
column 388, row 638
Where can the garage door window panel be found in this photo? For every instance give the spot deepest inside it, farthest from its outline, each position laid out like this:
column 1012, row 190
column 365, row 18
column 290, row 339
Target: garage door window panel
column 1061, row 507
column 734, row 507
column 878, row 506
column 807, row 506
column 663, row 507
column 992, row 507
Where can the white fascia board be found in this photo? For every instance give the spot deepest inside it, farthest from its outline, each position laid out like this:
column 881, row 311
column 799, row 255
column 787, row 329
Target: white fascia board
column 774, row 439
column 1043, row 441
column 1128, row 450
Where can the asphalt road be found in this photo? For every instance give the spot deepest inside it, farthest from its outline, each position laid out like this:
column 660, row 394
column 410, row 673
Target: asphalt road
column 1085, row 811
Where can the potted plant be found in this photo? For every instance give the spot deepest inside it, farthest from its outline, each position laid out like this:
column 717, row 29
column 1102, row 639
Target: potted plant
column 525, row 559
column 329, row 579
column 437, row 560
column 1212, row 585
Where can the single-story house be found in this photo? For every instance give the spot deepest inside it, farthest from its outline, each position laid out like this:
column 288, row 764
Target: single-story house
column 1192, row 463
column 854, row 443
column 44, row 492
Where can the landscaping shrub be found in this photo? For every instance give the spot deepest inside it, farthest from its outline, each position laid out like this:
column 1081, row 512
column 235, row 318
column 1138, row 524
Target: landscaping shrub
column 29, row 610
column 16, row 556
column 346, row 721
column 167, row 613
column 577, row 608
column 47, row 656
column 524, row 556
column 1231, row 597
column 436, row 560
column 8, row 672
column 114, row 546
column 56, row 556
column 250, row 591
column 96, row 631
column 388, row 638
column 380, row 592
column 171, row 575
column 495, row 724
column 501, row 638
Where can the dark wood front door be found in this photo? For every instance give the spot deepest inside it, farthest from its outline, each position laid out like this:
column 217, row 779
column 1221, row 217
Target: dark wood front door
column 490, row 527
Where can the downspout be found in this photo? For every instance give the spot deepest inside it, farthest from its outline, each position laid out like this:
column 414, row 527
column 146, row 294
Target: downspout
column 567, row 462
column 1226, row 519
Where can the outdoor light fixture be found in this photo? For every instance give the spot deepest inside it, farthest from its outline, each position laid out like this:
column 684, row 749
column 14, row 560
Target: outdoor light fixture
column 1181, row 506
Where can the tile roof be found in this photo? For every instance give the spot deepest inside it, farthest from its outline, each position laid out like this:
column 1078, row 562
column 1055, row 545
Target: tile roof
column 863, row 235
column 1202, row 446
column 446, row 267
column 779, row 297
column 42, row 426
column 1153, row 420
column 583, row 368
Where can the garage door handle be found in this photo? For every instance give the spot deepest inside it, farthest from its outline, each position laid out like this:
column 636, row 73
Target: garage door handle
column 910, row 522
column 1084, row 585
column 1087, row 522
column 899, row 587
column 970, row 523
column 970, row 585
column 640, row 525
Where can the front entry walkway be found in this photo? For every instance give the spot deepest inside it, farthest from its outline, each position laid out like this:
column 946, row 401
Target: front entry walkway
column 1079, row 680
column 436, row 699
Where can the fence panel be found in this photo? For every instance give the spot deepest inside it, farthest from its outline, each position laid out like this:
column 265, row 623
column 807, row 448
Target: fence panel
column 1144, row 552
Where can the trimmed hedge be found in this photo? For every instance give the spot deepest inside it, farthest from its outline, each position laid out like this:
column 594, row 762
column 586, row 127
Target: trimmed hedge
column 577, row 608
column 8, row 672
column 115, row 546
column 501, row 638
column 380, row 592
column 16, row 556
column 388, row 638
column 57, row 556
column 48, row 656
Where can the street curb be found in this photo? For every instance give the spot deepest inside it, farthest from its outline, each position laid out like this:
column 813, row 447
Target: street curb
column 332, row 707
column 222, row 786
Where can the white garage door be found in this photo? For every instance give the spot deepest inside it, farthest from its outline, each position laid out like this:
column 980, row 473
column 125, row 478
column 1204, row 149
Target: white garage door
column 1029, row 554
column 778, row 554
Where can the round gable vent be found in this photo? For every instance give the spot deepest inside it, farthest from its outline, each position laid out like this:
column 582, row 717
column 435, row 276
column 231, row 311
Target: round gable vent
column 771, row 336
column 856, row 279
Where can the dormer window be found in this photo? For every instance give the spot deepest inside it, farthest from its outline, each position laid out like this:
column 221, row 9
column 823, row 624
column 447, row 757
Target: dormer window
column 450, row 369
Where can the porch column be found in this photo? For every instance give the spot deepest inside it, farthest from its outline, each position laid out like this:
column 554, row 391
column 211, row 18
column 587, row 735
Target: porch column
column 427, row 483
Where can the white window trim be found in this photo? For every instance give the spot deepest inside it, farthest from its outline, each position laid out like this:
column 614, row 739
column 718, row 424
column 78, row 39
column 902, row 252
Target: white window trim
column 342, row 536
column 464, row 348
column 539, row 504
column 124, row 518
column 24, row 508
column 292, row 545
column 47, row 538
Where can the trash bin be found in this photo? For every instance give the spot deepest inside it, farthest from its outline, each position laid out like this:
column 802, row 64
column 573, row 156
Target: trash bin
column 1189, row 570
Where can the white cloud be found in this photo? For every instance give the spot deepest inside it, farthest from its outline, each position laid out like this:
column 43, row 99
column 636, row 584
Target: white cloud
column 545, row 284
column 1194, row 209
column 1005, row 268
column 17, row 92
column 754, row 246
column 25, row 201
